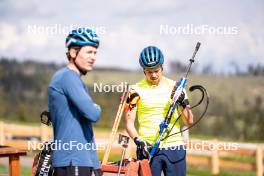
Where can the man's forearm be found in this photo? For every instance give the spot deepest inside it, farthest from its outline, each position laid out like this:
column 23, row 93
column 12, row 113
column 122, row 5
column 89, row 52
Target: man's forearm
column 131, row 130
column 188, row 115
column 130, row 124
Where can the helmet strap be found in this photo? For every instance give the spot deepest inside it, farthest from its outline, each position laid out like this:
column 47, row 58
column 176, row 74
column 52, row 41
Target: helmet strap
column 82, row 71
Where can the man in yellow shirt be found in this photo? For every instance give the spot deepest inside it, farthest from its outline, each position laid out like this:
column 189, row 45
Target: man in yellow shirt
column 149, row 101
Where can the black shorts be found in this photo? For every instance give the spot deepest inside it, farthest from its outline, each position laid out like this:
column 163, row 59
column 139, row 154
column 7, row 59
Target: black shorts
column 76, row 171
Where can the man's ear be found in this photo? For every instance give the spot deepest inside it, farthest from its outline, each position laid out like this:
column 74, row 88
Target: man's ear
column 73, row 52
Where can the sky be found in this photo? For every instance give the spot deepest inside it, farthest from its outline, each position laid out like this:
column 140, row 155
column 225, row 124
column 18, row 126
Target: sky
column 230, row 31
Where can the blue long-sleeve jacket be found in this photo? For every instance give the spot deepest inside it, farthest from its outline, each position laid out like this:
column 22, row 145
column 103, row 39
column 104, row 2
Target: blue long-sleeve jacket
column 72, row 113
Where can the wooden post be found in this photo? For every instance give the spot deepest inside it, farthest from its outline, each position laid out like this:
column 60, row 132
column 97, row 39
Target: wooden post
column 14, row 165
column 259, row 160
column 215, row 159
column 2, row 133
column 44, row 135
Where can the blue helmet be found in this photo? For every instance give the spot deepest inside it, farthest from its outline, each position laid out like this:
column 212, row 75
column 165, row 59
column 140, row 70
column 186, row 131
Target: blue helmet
column 82, row 37
column 150, row 57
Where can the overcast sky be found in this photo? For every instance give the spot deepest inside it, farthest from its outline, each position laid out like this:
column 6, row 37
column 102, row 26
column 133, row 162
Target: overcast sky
column 230, row 31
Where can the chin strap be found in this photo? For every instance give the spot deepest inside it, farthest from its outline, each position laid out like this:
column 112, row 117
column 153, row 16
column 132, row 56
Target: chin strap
column 82, row 71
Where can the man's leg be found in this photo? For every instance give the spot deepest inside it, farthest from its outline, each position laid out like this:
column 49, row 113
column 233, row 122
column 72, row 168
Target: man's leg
column 83, row 171
column 73, row 171
column 156, row 165
column 60, row 171
column 175, row 162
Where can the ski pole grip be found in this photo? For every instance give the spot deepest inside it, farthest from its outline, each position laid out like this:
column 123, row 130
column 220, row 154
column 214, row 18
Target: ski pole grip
column 194, row 53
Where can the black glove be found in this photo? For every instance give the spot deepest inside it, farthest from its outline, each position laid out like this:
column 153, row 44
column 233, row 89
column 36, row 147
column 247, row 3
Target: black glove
column 181, row 101
column 143, row 148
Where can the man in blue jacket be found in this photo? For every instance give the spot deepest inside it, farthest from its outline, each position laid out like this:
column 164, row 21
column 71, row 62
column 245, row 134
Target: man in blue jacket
column 73, row 110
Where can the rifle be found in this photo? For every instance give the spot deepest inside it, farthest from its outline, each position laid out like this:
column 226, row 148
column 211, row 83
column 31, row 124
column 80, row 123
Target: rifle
column 176, row 92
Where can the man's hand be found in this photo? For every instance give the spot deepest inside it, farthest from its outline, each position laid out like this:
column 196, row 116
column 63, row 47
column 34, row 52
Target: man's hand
column 181, row 101
column 143, row 147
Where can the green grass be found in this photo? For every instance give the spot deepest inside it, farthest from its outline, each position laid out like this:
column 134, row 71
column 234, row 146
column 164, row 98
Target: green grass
column 208, row 137
column 3, row 169
column 112, row 158
column 220, row 138
column 241, row 159
column 197, row 171
column 25, row 171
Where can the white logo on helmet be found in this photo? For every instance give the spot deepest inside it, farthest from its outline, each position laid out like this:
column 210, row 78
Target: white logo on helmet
column 70, row 41
column 95, row 38
column 152, row 63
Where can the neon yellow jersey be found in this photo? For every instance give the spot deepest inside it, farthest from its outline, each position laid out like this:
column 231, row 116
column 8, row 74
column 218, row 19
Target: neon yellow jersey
column 152, row 107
